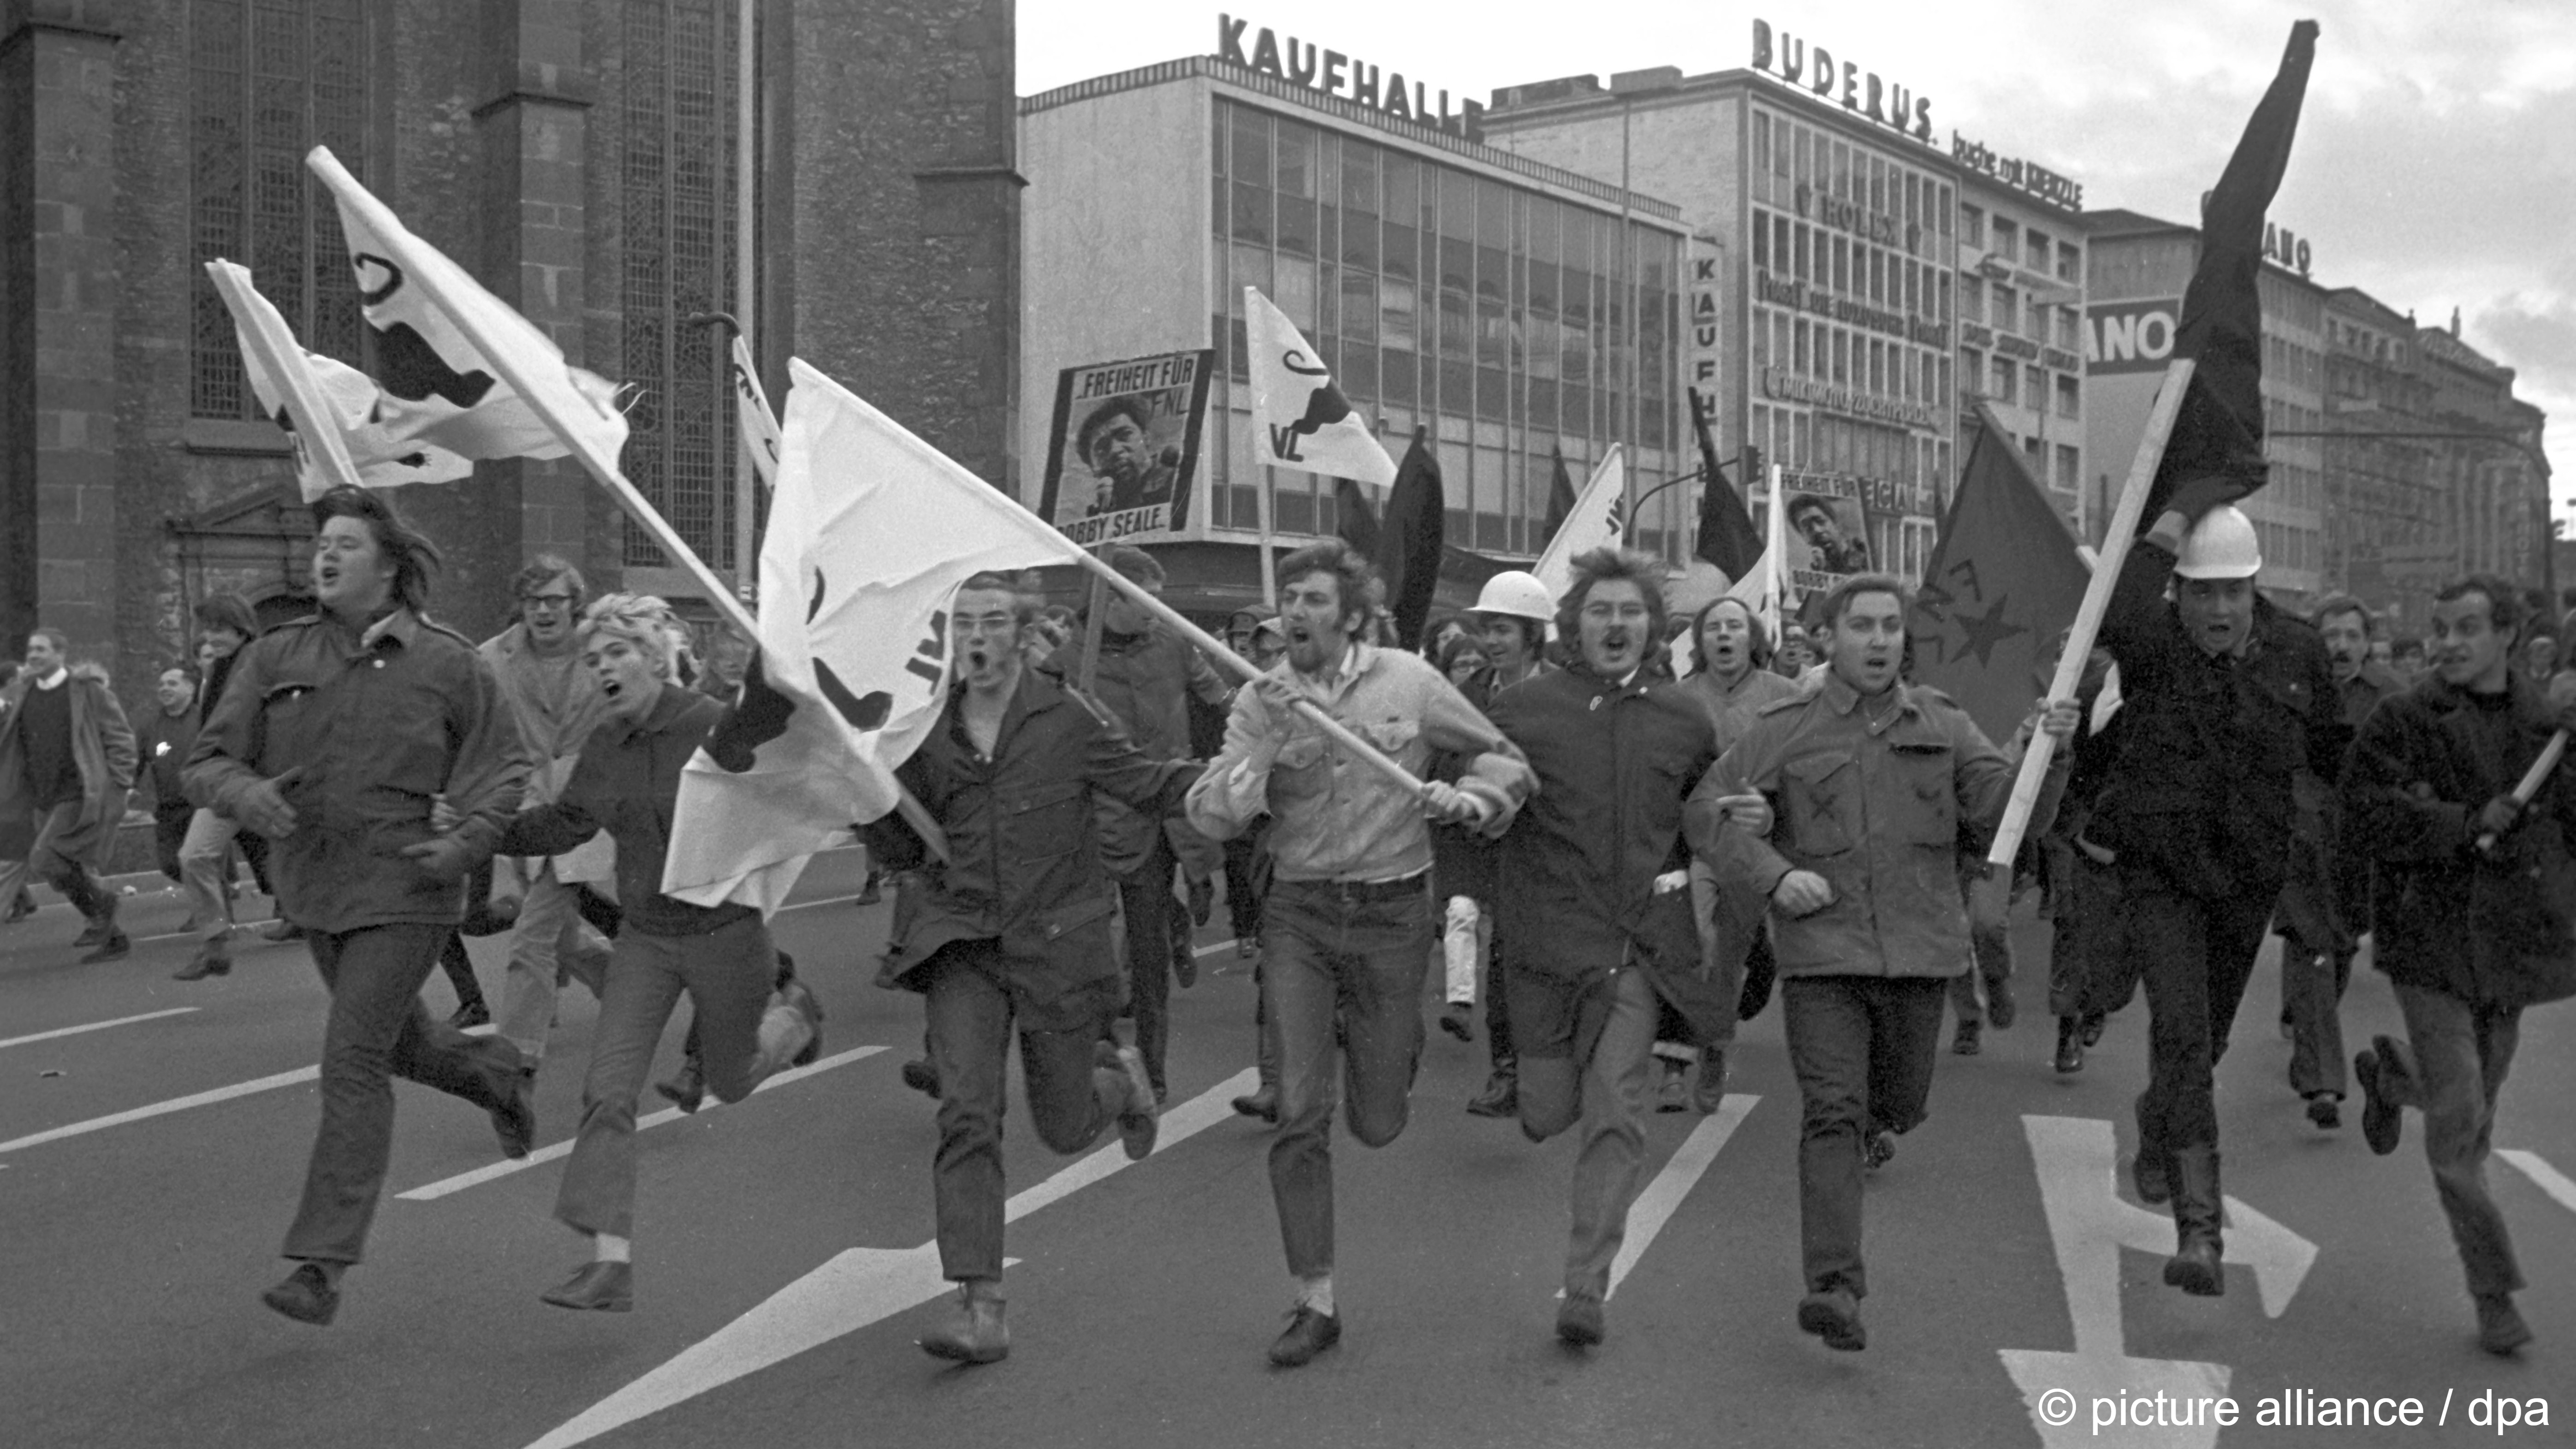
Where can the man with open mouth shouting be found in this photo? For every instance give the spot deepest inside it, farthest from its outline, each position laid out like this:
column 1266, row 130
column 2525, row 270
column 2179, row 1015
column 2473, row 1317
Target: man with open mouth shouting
column 1013, row 927
column 1347, row 927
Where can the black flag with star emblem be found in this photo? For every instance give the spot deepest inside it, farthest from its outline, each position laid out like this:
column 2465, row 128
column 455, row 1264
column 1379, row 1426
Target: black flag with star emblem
column 2004, row 581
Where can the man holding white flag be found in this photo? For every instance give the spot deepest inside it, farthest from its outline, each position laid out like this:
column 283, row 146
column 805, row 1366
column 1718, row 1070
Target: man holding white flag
column 1300, row 418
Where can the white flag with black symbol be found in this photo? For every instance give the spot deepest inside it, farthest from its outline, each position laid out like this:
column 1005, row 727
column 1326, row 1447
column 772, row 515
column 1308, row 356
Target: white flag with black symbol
column 1300, row 418
column 329, row 406
column 439, row 388
column 751, row 406
column 1599, row 519
column 871, row 530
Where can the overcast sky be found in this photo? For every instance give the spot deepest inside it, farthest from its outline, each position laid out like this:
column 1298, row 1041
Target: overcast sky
column 2435, row 165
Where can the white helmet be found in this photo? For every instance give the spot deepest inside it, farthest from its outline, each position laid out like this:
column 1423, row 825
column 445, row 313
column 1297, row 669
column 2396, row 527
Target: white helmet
column 1517, row 593
column 2221, row 546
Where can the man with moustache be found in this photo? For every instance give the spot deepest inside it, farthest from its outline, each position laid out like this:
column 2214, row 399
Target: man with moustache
column 2475, row 912
column 1014, row 928
column 1847, row 806
column 1347, row 926
column 1595, row 897
column 335, row 739
column 2226, row 701
column 2326, row 904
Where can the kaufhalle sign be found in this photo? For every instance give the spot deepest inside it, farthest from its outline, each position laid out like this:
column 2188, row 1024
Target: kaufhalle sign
column 1336, row 74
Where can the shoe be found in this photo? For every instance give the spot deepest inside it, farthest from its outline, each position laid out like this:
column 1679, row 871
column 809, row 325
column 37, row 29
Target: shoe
column 2070, row 1046
column 2382, row 1120
column 281, row 929
column 1501, row 1097
column 307, row 1295
column 1674, row 1094
column 93, row 933
column 1459, row 1020
column 515, row 1119
column 1141, row 1119
column 800, row 997
column 1246, row 948
column 975, row 1332
column 1202, row 901
column 2152, row 1174
column 2501, row 1330
column 2323, row 1112
column 1835, row 1318
column 1578, row 1323
column 2000, row 1007
column 1877, row 1150
column 1185, row 966
column 1308, row 1334
column 1709, row 1093
column 919, row 1075
column 19, row 909
column 2195, row 1266
column 1967, row 1042
column 871, row 890
column 1263, row 1104
column 114, row 946
column 211, row 960
column 687, row 1088
column 2094, row 1021
column 471, row 1013
column 596, row 1287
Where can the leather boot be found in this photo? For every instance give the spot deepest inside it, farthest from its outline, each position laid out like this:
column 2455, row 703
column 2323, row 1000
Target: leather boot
column 2070, row 1045
column 975, row 1332
column 2194, row 1267
column 1502, row 1094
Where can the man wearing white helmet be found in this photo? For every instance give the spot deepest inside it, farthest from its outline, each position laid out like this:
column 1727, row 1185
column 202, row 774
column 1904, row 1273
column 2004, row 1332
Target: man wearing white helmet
column 2227, row 699
column 1511, row 614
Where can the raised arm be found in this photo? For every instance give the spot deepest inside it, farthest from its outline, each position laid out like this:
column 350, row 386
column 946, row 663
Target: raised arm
column 1235, row 789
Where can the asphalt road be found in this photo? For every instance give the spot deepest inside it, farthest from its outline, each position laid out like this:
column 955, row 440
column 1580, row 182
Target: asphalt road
column 782, row 1275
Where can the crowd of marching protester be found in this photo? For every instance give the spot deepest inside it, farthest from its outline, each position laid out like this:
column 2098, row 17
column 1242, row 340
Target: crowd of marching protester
column 1628, row 831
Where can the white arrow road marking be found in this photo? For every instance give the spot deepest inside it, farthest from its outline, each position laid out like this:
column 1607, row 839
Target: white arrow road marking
column 2533, row 1165
column 2089, row 1223
column 857, row 1287
column 96, row 1026
column 463, row 1180
column 1663, row 1197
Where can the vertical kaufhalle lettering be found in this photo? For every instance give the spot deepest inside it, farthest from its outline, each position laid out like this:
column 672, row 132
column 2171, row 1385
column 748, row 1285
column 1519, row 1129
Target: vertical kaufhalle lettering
column 1306, row 64
column 1861, row 92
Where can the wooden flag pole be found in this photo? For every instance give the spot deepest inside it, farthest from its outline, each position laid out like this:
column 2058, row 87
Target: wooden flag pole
column 2532, row 779
column 2097, row 601
column 1340, row 733
column 1093, row 616
column 415, row 258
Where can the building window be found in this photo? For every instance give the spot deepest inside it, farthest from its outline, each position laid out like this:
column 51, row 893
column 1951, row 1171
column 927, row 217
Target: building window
column 2004, row 373
column 2070, row 262
column 677, row 205
column 267, row 82
column 1972, row 226
column 2005, row 309
column 2035, row 387
column 2067, row 393
column 2007, row 240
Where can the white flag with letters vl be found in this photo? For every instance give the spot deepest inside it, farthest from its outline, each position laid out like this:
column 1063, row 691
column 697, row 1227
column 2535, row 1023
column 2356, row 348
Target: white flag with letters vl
column 1299, row 417
column 871, row 530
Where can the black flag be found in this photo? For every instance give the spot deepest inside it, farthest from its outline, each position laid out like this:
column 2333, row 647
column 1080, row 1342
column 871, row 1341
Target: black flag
column 1356, row 519
column 2219, row 431
column 1409, row 542
column 1728, row 541
column 1560, row 500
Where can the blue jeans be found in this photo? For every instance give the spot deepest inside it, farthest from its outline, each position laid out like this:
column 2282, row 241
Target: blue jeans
column 1863, row 1049
column 1340, row 962
column 1603, row 1084
column 1073, row 1097
column 2460, row 1054
column 378, row 1030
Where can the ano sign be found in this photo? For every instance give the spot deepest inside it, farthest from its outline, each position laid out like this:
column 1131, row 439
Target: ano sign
column 2130, row 336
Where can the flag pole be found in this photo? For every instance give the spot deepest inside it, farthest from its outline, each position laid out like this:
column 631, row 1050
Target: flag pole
column 2097, row 600
column 412, row 255
column 1340, row 733
column 746, row 543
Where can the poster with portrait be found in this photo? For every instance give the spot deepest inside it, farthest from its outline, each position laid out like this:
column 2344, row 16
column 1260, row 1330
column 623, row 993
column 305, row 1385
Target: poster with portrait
column 1827, row 520
column 1123, row 453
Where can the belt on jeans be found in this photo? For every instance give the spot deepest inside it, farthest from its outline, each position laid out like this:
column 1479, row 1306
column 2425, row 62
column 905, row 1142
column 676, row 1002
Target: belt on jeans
column 1362, row 890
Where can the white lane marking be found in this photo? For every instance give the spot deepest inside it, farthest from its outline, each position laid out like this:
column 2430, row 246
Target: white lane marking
column 157, row 1109
column 855, row 1288
column 95, row 1026
column 1656, row 1205
column 447, row 1186
column 2533, row 1165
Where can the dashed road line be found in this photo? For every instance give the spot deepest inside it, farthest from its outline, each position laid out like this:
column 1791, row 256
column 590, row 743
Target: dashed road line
column 62, row 1031
column 2550, row 1179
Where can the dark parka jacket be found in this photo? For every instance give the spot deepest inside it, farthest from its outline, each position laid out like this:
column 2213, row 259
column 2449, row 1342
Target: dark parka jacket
column 2495, row 931
column 1023, row 858
column 1575, row 873
column 2201, row 792
column 1146, row 681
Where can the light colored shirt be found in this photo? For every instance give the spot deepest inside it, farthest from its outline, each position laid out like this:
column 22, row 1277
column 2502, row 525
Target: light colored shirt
column 1335, row 816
